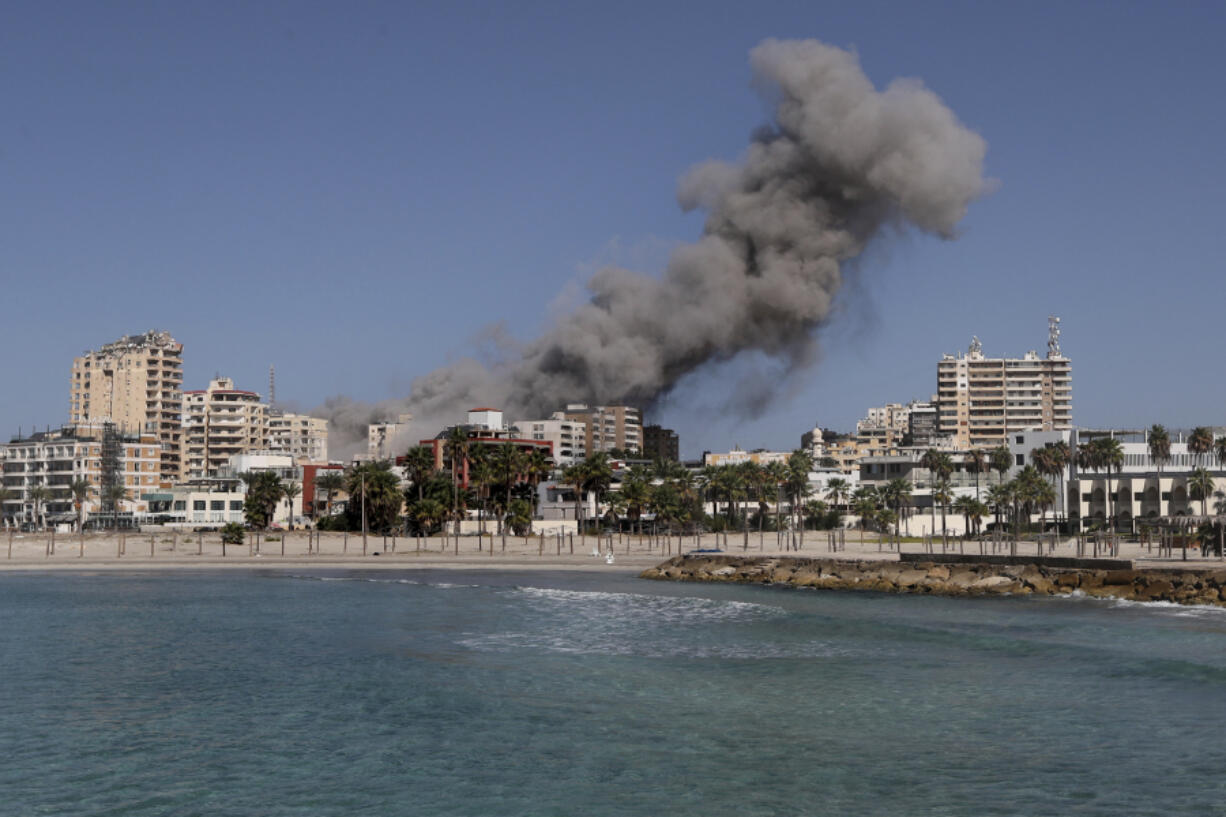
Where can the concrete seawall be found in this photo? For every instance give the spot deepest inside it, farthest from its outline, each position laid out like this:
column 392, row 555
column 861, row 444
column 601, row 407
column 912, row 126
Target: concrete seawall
column 955, row 578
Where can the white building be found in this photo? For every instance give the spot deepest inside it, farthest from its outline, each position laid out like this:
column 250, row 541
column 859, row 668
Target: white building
column 219, row 422
column 567, row 436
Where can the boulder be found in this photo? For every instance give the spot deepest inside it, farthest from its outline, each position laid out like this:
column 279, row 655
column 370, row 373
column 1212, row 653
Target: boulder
column 911, row 578
column 938, row 572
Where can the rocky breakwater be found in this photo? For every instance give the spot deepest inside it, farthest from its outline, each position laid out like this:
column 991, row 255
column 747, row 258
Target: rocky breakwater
column 1181, row 586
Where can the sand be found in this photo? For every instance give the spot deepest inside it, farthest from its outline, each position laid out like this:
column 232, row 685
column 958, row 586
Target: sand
column 163, row 550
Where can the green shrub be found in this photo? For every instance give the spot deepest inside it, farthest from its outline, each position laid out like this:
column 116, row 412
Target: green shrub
column 233, row 533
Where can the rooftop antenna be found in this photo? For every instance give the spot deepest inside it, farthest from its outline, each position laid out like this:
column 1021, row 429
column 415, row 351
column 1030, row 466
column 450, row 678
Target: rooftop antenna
column 272, row 386
column 1053, row 337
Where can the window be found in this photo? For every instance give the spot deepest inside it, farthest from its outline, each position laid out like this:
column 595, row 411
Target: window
column 180, row 505
column 1021, row 459
column 197, row 504
column 236, row 504
column 217, row 505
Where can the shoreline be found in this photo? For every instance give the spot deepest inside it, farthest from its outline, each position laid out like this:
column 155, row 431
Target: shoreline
column 1194, row 586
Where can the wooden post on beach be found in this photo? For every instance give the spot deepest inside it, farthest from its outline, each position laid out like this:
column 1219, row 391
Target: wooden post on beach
column 200, row 544
column 540, row 551
column 52, row 545
column 283, row 544
column 118, row 548
column 10, row 543
column 345, row 543
column 81, row 552
column 572, row 543
column 151, row 546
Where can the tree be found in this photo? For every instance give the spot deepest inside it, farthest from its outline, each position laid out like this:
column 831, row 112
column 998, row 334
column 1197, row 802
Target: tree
column 837, row 490
column 331, row 482
column 429, row 514
column 1111, row 456
column 799, row 466
column 40, row 495
column 940, row 466
column 289, row 491
column 112, row 495
column 80, row 493
column 1200, row 485
column 419, row 467
column 457, row 451
column 1002, row 460
column 1200, row 443
column 1159, row 443
column 519, row 517
column 537, row 468
column 376, row 489
column 264, row 492
column 508, row 466
column 976, row 462
column 897, row 495
column 943, row 493
column 865, row 503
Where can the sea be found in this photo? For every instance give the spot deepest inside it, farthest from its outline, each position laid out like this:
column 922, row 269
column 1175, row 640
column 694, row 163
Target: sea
column 556, row 693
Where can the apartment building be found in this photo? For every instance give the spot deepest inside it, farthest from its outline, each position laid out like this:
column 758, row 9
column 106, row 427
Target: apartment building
column 981, row 400
column 96, row 453
column 661, row 443
column 608, row 427
column 384, row 440
column 568, row 437
column 301, row 436
column 135, row 383
column 219, row 422
column 485, row 427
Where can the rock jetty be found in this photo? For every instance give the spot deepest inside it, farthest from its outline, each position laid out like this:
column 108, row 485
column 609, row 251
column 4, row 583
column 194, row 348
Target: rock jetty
column 954, row 578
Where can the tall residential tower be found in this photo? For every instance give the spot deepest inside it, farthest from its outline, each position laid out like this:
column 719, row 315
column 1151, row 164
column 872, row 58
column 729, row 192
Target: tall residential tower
column 135, row 383
column 981, row 400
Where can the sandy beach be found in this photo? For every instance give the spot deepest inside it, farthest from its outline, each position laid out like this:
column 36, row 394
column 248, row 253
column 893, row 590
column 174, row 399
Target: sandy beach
column 163, row 550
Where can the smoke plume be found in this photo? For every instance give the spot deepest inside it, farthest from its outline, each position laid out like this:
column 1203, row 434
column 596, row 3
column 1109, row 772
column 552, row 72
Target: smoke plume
column 840, row 161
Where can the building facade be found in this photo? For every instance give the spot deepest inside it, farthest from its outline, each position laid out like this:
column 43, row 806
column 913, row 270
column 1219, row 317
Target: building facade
column 97, row 454
column 981, row 400
column 661, row 444
column 567, row 437
column 301, row 436
column 219, row 422
column 608, row 427
column 485, row 427
column 135, row 383
column 383, row 439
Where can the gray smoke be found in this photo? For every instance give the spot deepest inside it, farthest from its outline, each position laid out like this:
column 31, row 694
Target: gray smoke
column 840, row 161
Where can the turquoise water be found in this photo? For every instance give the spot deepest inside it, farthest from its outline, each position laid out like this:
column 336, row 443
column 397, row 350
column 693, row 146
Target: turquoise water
column 472, row 693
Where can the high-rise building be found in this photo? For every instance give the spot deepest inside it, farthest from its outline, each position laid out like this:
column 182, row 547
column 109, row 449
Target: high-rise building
column 219, row 422
column 384, row 440
column 135, row 383
column 301, row 436
column 567, row 437
column 608, row 427
column 981, row 400
column 661, row 444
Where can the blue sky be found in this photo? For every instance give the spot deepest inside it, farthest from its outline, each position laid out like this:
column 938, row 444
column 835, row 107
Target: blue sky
column 355, row 192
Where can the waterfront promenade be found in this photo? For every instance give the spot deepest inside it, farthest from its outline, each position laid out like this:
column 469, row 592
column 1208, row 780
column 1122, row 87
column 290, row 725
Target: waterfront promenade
column 166, row 549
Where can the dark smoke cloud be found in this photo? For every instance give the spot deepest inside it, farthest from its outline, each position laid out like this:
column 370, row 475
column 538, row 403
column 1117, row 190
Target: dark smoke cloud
column 840, row 161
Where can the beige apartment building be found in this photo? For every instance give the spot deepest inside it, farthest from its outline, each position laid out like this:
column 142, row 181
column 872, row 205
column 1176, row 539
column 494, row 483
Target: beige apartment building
column 135, row 383
column 981, row 400
column 55, row 459
column 301, row 436
column 608, row 427
column 219, row 422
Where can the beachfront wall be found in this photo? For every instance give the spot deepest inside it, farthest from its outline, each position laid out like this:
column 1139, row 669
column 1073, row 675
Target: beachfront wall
column 1140, row 497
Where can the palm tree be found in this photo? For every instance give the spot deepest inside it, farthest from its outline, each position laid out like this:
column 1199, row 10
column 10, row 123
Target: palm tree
column 943, row 493
column 897, row 495
column 457, row 450
column 39, row 495
column 976, row 462
column 965, row 505
column 1200, row 485
column 537, row 468
column 112, row 495
column 837, row 490
column 331, row 482
column 80, row 493
column 865, row 504
column 1111, row 455
column 1200, row 443
column 940, row 466
column 799, row 465
column 419, row 466
column 429, row 513
column 1159, row 442
column 999, row 498
column 1219, row 449
column 1001, row 460
column 289, row 491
